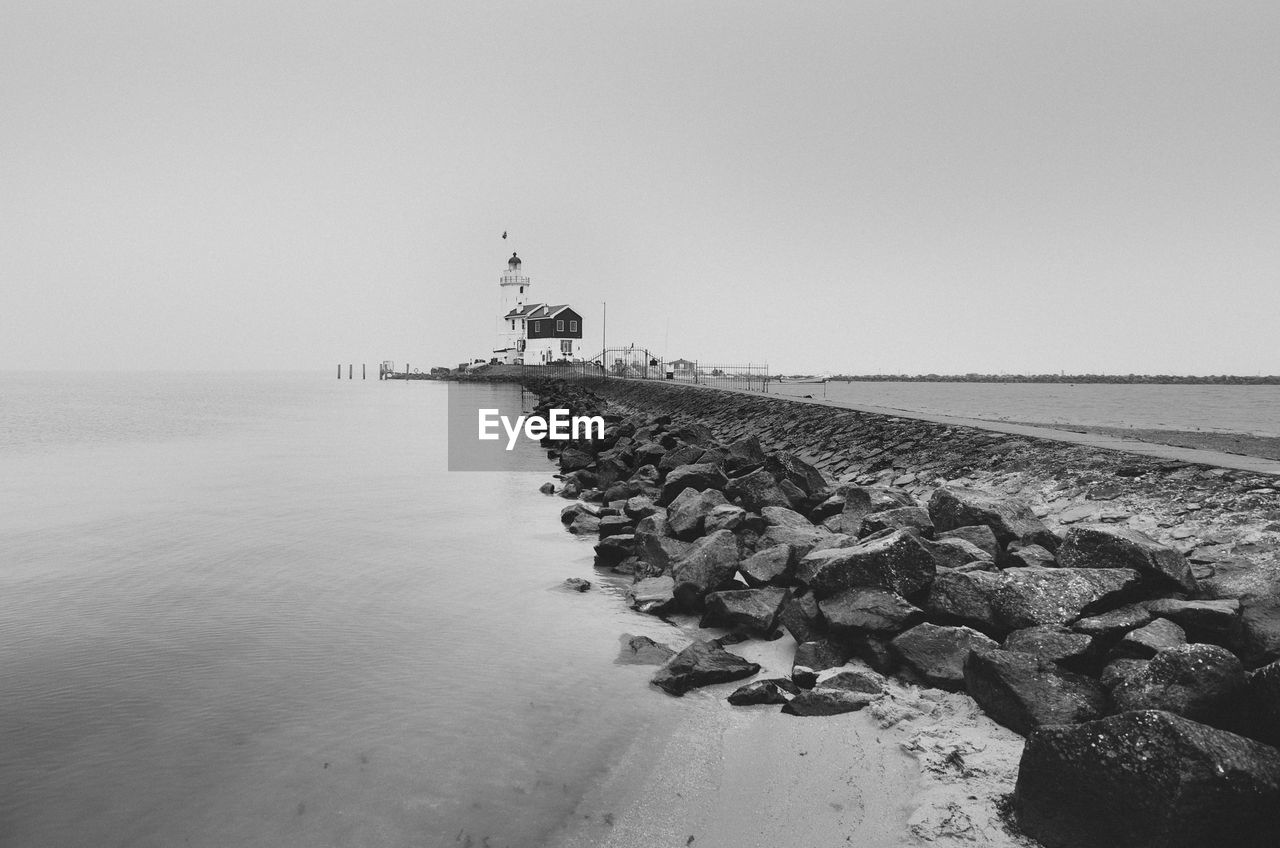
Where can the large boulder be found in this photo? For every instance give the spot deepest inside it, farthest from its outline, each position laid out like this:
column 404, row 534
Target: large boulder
column 1009, row 520
column 965, row 597
column 1053, row 643
column 1114, row 623
column 709, row 564
column 1148, row 640
column 864, row 608
column 773, row 691
column 1147, row 780
column 897, row 562
column 653, row 595
column 937, row 654
column 1204, row 683
column 861, row 501
column 575, row 459
column 955, row 553
column 780, row 516
column 814, row 657
column 1204, row 621
column 980, row 536
column 802, row 618
column 1262, row 703
column 901, row 518
column 1259, row 630
column 678, row 456
column 686, row 514
column 724, row 517
column 1030, row 596
column 1109, row 546
column 768, row 567
column 701, row 664
column 757, row 490
column 1024, row 692
column 641, row 650
column 789, row 468
column 801, row 540
column 752, row 611
column 699, row 476
column 744, row 455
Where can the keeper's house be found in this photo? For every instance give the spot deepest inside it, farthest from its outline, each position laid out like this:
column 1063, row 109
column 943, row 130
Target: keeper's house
column 534, row 333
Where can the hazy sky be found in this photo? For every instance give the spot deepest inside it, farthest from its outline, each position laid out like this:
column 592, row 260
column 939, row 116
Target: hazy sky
column 847, row 186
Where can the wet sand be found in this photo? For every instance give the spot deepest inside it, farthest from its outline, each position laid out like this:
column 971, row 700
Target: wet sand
column 917, row 766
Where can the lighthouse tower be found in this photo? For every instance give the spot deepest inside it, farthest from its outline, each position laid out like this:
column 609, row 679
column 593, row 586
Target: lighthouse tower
column 514, row 288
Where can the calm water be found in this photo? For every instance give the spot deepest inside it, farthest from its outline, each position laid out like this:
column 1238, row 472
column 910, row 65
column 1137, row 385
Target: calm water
column 256, row 610
column 1237, row 409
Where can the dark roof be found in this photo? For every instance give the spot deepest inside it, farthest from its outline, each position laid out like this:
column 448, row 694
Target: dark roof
column 525, row 311
column 514, row 261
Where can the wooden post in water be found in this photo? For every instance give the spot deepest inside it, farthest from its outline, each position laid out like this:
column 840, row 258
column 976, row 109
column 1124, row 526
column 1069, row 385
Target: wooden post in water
column 348, row 370
column 339, row 371
column 362, row 371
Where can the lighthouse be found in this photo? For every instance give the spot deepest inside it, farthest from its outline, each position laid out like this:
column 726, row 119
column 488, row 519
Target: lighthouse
column 533, row 333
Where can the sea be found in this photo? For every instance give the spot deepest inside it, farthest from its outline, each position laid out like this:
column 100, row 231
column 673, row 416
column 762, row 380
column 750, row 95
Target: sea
column 257, row 610
column 1212, row 408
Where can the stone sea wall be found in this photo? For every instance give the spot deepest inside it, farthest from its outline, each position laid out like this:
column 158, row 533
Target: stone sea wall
column 1120, row 612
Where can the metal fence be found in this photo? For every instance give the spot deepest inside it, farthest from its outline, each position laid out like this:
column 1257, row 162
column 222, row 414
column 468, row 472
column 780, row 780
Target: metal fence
column 637, row 363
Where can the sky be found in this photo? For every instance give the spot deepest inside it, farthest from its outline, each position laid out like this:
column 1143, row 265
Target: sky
column 853, row 187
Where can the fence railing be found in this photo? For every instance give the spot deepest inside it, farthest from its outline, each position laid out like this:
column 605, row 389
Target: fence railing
column 636, row 363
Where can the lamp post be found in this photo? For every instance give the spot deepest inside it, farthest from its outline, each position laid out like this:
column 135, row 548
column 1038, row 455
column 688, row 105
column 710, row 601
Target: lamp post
column 604, row 343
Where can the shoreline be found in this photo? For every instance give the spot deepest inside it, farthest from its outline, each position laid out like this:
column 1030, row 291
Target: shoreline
column 740, row 777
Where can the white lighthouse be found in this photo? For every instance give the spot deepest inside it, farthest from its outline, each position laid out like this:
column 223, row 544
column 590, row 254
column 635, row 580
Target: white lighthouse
column 514, row 288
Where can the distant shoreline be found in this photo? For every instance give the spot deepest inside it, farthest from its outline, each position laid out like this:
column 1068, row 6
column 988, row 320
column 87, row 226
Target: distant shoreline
column 1135, row 379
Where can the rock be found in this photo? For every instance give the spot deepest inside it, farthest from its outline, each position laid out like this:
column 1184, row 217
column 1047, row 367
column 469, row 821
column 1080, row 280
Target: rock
column 547, row 488
column 685, row 514
column 861, row 501
column 701, row 664
column 1027, row 556
column 573, row 459
column 1106, row 546
column 1053, row 643
column 573, row 510
column 640, row 506
column 724, row 517
column 753, row 611
column 1145, row 642
column 659, row 551
column 980, row 536
column 744, row 455
column 825, row 702
column 813, row 657
column 771, row 566
column 901, row 518
column 954, row 553
column 937, row 654
column 757, row 490
column 1027, row 597
column 709, row 564
column 1204, row 683
column 699, row 476
column 678, row 456
column 965, row 597
column 897, row 562
column 802, row 618
column 789, row 468
column 584, row 524
column 868, row 609
column 1118, row 671
column 1009, row 520
column 780, row 516
column 773, row 691
column 612, row 525
column 829, row 508
column 1262, row 703
column 1259, row 630
column 1147, row 779
column 1114, row 623
column 1023, row 692
column 641, row 650
column 653, row 595
column 800, row 540
column 852, row 680
column 614, row 549
column 1204, row 621
column 577, row 584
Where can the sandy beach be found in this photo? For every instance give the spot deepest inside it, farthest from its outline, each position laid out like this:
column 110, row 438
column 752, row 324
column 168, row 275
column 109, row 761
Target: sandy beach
column 916, row 767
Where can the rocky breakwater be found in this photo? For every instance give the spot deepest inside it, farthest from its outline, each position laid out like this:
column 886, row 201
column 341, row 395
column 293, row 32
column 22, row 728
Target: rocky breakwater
column 1150, row 701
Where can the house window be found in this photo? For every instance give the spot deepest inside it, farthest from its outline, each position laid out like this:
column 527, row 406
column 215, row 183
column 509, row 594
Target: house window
column 522, row 290
column 513, row 324
column 559, row 326
column 566, row 347
column 573, row 326
column 520, row 345
column 537, row 326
